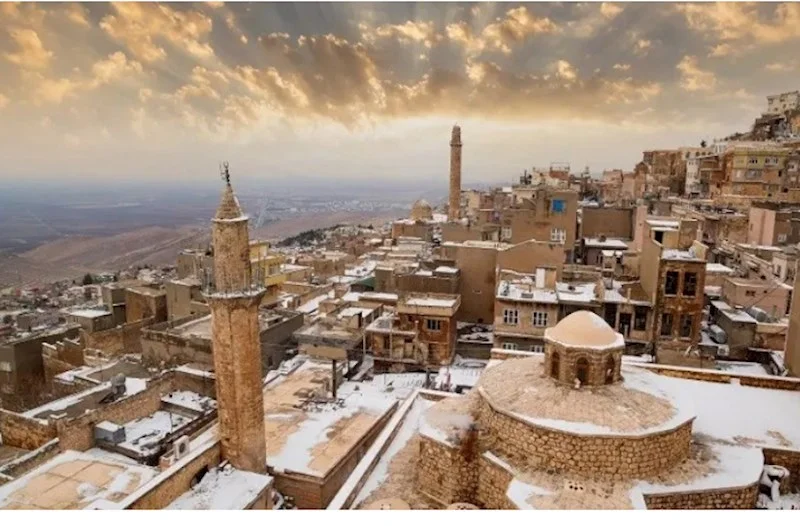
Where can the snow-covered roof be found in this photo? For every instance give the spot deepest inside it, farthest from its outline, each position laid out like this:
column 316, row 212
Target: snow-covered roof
column 420, row 301
column 312, row 305
column 88, row 313
column 446, row 270
column 682, row 255
column 514, row 290
column 223, row 489
column 596, row 242
column 586, row 330
column 576, row 292
column 718, row 268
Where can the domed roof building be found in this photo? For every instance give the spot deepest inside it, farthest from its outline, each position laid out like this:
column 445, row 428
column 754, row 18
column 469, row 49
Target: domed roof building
column 569, row 430
column 421, row 210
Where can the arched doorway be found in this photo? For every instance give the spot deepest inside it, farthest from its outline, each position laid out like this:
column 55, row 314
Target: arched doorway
column 582, row 370
column 611, row 365
column 555, row 365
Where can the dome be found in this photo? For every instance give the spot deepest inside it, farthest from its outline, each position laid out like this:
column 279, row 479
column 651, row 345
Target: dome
column 586, row 330
column 421, row 210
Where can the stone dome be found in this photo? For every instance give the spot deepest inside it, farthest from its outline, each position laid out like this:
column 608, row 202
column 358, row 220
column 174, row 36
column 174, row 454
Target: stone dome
column 421, row 210
column 585, row 348
column 586, row 330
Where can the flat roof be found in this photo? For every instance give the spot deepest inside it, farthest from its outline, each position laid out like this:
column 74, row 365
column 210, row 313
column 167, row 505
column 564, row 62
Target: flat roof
column 75, row 480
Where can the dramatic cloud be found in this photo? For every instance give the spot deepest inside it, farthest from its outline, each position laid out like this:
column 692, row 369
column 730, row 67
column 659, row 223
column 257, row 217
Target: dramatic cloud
column 742, row 21
column 187, row 75
column 30, row 53
column 693, row 78
column 141, row 26
column 503, row 34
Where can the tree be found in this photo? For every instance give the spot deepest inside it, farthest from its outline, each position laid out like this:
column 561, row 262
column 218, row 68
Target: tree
column 703, row 143
column 7, row 319
column 87, row 279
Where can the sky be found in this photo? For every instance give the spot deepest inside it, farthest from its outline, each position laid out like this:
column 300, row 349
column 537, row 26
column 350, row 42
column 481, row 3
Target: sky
column 362, row 91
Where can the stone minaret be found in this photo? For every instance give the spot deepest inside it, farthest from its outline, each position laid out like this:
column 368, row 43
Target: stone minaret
column 234, row 301
column 454, row 210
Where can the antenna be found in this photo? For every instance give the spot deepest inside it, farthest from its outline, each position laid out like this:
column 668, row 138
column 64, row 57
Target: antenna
column 224, row 173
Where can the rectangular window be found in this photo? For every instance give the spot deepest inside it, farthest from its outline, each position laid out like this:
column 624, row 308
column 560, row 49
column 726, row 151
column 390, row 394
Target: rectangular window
column 671, row 283
column 511, row 317
column 666, row 324
column 537, row 348
column 540, row 319
column 510, row 346
column 433, row 325
column 640, row 318
column 558, row 206
column 690, row 284
column 687, row 321
column 750, row 293
column 506, row 233
column 781, row 238
column 558, row 235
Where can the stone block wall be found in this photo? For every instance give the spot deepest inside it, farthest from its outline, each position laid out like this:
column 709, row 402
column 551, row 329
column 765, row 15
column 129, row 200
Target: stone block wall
column 305, row 490
column 721, row 499
column 78, row 433
column 765, row 382
column 23, row 432
column 122, row 339
column 493, row 481
column 598, row 362
column 790, row 459
column 175, row 481
column 617, row 457
column 29, row 461
column 445, row 474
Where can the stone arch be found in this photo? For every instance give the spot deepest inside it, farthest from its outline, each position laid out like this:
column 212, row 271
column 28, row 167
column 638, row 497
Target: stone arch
column 582, row 370
column 555, row 365
column 611, row 367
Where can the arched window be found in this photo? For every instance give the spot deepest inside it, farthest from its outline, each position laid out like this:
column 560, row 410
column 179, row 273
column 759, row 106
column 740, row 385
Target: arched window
column 555, row 365
column 611, row 365
column 582, row 370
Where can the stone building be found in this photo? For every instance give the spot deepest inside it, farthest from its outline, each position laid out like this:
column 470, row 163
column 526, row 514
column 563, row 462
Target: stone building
column 771, row 297
column 525, row 306
column 773, row 224
column 579, row 428
column 420, row 335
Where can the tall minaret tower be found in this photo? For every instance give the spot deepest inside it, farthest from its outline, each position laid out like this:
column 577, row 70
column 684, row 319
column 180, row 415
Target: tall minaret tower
column 234, row 301
column 454, row 209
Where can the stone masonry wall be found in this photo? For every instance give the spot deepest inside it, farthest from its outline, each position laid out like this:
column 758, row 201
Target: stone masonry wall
column 163, row 493
column 29, row 461
column 23, row 432
column 598, row 362
column 723, row 499
column 765, row 382
column 616, row 457
column 78, row 433
column 790, row 459
column 444, row 474
column 493, row 482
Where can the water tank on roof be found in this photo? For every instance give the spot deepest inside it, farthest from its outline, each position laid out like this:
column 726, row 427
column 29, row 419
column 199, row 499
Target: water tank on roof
column 759, row 314
column 118, row 384
column 717, row 334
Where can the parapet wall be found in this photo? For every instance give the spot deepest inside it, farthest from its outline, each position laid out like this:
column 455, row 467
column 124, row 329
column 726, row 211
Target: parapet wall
column 37, row 457
column 23, row 432
column 721, row 499
column 764, row 382
column 616, row 457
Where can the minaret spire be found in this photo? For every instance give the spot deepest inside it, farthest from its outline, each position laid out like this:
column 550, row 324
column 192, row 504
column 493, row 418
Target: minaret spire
column 454, row 205
column 234, row 300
